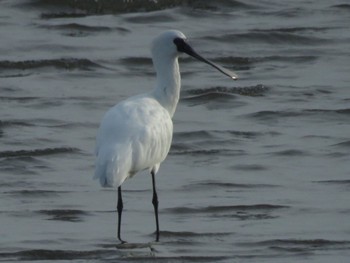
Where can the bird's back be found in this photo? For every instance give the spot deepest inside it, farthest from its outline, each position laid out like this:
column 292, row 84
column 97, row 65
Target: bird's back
column 134, row 135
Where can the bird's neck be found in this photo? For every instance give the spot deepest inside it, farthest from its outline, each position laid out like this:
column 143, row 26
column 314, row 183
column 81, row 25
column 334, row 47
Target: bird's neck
column 167, row 90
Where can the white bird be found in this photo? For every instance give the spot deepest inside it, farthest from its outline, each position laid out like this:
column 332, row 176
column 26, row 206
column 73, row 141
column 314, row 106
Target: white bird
column 136, row 134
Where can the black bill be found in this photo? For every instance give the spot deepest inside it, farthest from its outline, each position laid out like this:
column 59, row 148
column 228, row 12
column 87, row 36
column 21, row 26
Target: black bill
column 182, row 46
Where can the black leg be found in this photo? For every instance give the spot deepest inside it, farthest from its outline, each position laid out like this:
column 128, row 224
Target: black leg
column 155, row 205
column 120, row 210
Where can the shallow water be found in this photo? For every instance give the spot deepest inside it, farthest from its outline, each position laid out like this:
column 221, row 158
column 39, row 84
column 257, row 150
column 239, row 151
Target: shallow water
column 258, row 170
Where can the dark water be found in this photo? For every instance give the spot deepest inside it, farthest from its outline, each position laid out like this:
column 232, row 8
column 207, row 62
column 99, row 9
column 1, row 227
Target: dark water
column 259, row 169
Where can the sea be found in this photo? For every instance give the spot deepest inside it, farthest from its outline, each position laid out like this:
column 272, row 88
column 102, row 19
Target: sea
column 259, row 168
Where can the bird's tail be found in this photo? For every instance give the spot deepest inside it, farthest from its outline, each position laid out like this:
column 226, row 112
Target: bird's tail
column 109, row 168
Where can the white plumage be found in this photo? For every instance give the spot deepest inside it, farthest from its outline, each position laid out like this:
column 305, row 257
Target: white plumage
column 136, row 134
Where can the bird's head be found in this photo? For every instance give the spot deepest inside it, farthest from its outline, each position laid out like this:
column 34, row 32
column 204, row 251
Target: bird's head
column 164, row 44
column 171, row 43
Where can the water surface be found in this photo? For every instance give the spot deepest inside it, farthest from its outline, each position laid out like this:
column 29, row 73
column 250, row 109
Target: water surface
column 258, row 170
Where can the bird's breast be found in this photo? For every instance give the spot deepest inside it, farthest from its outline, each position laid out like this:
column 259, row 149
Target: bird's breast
column 148, row 130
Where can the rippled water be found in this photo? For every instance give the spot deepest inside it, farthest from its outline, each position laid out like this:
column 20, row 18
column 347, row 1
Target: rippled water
column 258, row 170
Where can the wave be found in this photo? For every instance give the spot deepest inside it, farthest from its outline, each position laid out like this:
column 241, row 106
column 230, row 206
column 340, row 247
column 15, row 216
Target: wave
column 70, row 215
column 63, row 14
column 43, row 122
column 211, row 184
column 242, row 63
column 268, row 114
column 345, row 111
column 48, row 254
column 79, row 30
column 344, row 182
column 224, row 209
column 61, row 63
column 212, row 142
column 225, row 92
column 301, row 244
column 92, row 7
column 34, row 193
column 136, row 61
column 38, row 152
column 210, row 134
column 293, row 29
column 342, row 6
column 10, row 123
column 269, row 37
column 345, row 144
column 153, row 17
column 290, row 152
column 188, row 135
column 180, row 234
column 250, row 167
column 238, row 212
column 220, row 4
column 79, row 8
column 77, row 26
column 187, row 150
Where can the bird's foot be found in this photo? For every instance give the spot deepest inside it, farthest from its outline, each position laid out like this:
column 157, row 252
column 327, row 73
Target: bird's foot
column 122, row 242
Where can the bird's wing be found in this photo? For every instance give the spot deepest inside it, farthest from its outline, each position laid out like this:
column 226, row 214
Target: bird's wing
column 134, row 135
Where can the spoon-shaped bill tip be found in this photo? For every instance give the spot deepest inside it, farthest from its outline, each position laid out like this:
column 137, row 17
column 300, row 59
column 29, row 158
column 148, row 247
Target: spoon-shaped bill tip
column 223, row 70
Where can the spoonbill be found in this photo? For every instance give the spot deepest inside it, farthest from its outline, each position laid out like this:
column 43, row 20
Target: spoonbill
column 136, row 134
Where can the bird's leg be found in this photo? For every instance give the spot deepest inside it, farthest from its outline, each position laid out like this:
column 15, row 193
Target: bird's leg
column 155, row 205
column 120, row 209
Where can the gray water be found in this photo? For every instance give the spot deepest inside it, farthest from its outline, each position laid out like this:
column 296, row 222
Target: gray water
column 259, row 168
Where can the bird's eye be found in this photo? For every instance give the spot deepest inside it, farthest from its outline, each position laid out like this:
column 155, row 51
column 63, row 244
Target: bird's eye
column 180, row 44
column 178, row 40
